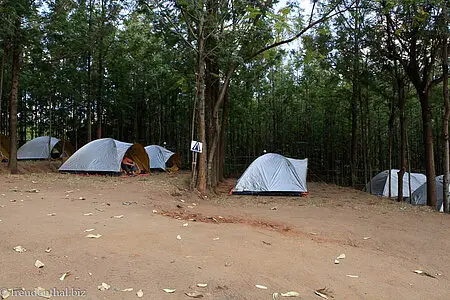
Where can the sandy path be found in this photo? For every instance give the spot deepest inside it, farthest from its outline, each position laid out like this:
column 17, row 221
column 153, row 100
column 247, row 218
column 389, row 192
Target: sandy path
column 141, row 250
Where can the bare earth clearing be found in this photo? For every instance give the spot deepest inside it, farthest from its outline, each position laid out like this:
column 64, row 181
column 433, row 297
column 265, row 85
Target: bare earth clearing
column 232, row 243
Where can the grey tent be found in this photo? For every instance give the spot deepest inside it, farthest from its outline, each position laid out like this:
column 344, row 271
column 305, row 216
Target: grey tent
column 38, row 148
column 161, row 158
column 273, row 174
column 419, row 196
column 379, row 185
column 105, row 156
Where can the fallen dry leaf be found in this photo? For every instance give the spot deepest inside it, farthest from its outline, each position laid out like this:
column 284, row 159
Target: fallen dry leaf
column 118, row 217
column 261, row 286
column 353, row 276
column 202, row 285
column 194, row 294
column 89, row 230
column 154, row 211
column 140, row 294
column 290, row 294
column 336, row 261
column 423, row 273
column 178, row 237
column 342, row 256
column 39, row 264
column 63, row 276
column 19, row 249
column 127, row 290
column 366, row 237
column 93, row 236
column 4, row 293
column 170, row 291
column 103, row 286
column 48, row 250
column 87, row 214
column 185, row 224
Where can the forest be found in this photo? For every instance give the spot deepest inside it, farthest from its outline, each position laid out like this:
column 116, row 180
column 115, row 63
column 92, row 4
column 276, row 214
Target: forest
column 355, row 86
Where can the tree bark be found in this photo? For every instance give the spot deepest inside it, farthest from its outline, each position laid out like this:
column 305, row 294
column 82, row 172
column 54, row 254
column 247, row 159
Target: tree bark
column 401, row 107
column 89, row 95
column 202, row 173
column 13, row 107
column 222, row 142
column 355, row 97
column 2, row 65
column 428, row 145
column 447, row 111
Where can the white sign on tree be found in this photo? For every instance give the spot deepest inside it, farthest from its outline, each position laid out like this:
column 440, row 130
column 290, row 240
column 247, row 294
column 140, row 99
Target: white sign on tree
column 196, row 146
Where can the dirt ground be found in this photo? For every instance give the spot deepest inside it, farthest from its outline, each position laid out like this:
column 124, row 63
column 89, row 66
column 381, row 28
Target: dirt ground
column 231, row 243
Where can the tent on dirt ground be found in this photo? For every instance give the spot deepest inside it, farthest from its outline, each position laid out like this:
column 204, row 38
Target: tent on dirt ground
column 379, row 185
column 39, row 148
column 161, row 158
column 419, row 196
column 105, row 156
column 4, row 147
column 273, row 174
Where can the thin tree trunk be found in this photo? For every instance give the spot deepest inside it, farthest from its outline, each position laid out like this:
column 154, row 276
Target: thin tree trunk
column 401, row 107
column 2, row 65
column 428, row 145
column 409, row 163
column 447, row 112
column 13, row 107
column 89, row 95
column 390, row 134
column 222, row 143
column 202, row 165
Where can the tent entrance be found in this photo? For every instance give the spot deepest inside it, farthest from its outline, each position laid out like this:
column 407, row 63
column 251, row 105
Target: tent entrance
column 138, row 155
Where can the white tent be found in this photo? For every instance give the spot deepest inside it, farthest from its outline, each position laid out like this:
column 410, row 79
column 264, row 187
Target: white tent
column 419, row 196
column 159, row 156
column 105, row 155
column 273, row 174
column 37, row 148
column 379, row 185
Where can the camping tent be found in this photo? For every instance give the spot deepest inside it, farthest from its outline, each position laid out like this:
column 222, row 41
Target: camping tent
column 419, row 196
column 4, row 147
column 161, row 158
column 105, row 156
column 379, row 185
column 38, row 148
column 273, row 174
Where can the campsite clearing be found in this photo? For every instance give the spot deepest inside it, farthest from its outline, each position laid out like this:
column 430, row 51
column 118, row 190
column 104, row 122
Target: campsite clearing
column 232, row 243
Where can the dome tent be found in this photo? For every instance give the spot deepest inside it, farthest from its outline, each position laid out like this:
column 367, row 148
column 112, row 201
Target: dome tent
column 38, row 148
column 273, row 174
column 161, row 158
column 105, row 156
column 379, row 185
column 419, row 196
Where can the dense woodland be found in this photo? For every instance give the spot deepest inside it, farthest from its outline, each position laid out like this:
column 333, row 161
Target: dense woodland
column 355, row 86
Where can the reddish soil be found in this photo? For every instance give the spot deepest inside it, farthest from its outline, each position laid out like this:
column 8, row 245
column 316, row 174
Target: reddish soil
column 232, row 243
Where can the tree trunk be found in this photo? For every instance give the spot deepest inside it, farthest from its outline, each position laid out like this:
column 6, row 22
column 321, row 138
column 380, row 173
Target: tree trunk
column 390, row 133
column 222, row 141
column 2, row 65
column 401, row 107
column 202, row 173
column 89, row 95
column 428, row 145
column 447, row 112
column 355, row 97
column 13, row 107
